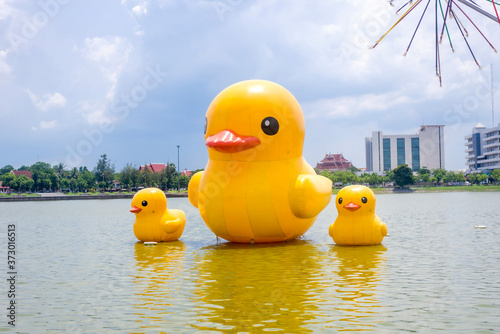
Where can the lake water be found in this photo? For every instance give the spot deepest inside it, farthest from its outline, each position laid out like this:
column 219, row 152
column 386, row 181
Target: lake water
column 81, row 270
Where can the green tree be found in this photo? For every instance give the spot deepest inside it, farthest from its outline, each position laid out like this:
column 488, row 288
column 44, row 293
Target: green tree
column 6, row 169
column 44, row 176
column 482, row 178
column 495, row 175
column 86, row 181
column 64, row 184
column 183, row 181
column 171, row 172
column 23, row 183
column 424, row 174
column 374, row 179
column 129, row 176
column 449, row 177
column 8, row 179
column 403, row 175
column 389, row 174
column 104, row 171
column 439, row 174
column 60, row 173
column 477, row 178
column 163, row 179
column 146, row 177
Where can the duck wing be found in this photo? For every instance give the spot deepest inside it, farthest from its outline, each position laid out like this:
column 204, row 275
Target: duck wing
column 309, row 195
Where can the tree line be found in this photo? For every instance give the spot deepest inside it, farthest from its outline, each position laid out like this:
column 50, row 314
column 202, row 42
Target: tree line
column 45, row 177
column 403, row 176
column 101, row 178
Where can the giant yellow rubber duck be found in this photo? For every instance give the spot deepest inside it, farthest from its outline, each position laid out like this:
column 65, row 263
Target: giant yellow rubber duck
column 356, row 223
column 153, row 221
column 257, row 187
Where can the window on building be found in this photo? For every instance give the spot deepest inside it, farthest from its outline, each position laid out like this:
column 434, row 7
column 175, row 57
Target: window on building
column 401, row 151
column 415, row 154
column 387, row 153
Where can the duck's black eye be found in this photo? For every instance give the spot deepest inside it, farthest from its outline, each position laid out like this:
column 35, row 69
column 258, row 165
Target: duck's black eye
column 270, row 126
column 144, row 203
column 340, row 200
column 205, row 130
column 364, row 199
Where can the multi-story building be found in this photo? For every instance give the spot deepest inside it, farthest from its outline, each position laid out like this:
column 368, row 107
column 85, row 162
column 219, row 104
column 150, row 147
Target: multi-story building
column 423, row 149
column 483, row 149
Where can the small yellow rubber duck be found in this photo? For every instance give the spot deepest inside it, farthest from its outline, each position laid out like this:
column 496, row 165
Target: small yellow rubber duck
column 357, row 223
column 153, row 221
column 257, row 186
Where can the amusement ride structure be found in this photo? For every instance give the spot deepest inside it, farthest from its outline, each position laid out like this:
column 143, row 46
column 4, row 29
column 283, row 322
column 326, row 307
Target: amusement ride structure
column 448, row 13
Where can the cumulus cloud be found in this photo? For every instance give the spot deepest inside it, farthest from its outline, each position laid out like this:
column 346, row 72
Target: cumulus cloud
column 94, row 112
column 48, row 101
column 140, row 10
column 111, row 55
column 5, row 9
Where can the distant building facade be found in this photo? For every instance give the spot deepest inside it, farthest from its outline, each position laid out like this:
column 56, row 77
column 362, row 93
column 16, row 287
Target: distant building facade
column 423, row 149
column 482, row 149
column 333, row 162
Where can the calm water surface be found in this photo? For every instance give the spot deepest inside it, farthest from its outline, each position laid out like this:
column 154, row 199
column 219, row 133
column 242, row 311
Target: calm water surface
column 81, row 270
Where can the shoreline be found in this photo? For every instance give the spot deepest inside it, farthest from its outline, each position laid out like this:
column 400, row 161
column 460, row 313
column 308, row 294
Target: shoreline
column 438, row 189
column 62, row 197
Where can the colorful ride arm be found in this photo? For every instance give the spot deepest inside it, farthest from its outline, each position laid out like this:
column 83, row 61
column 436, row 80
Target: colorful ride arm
column 310, row 195
column 194, row 188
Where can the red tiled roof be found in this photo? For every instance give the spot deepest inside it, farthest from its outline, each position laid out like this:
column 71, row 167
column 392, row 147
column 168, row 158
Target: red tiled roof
column 187, row 173
column 334, row 162
column 157, row 167
column 22, row 172
column 154, row 167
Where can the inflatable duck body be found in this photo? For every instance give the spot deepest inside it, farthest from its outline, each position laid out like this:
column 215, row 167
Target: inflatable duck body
column 153, row 221
column 357, row 223
column 257, row 187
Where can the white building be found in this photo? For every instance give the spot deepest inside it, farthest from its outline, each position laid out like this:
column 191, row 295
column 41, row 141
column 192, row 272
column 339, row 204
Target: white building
column 483, row 149
column 423, row 149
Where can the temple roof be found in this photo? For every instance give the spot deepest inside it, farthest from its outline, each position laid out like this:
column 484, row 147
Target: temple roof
column 334, row 162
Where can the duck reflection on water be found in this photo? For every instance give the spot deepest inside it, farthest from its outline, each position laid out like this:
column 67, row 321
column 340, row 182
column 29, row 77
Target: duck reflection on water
column 356, row 272
column 157, row 281
column 245, row 288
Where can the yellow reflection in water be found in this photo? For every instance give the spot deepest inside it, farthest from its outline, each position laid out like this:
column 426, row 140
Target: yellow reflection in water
column 157, row 268
column 357, row 271
column 255, row 288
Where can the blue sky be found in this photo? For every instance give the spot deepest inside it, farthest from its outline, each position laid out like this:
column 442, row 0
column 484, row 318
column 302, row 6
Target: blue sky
column 133, row 79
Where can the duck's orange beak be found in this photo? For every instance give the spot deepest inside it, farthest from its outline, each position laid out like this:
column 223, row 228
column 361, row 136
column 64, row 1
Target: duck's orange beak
column 228, row 141
column 351, row 206
column 135, row 209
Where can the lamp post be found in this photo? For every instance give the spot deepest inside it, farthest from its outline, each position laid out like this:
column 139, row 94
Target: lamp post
column 178, row 174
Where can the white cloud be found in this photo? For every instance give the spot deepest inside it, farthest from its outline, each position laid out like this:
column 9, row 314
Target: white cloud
column 140, row 10
column 48, row 101
column 4, row 67
column 5, row 9
column 94, row 112
column 111, row 55
column 48, row 124
column 353, row 106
